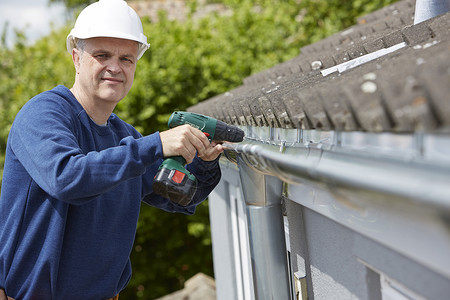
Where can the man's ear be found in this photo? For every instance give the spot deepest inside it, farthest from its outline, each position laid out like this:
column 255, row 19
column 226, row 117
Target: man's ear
column 76, row 57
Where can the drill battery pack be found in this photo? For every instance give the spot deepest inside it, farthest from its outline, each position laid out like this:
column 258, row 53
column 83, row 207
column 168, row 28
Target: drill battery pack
column 175, row 183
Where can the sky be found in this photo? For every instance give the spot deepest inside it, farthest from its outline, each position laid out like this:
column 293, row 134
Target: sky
column 33, row 16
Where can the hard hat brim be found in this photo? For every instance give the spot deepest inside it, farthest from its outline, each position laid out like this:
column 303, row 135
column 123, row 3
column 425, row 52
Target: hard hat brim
column 71, row 41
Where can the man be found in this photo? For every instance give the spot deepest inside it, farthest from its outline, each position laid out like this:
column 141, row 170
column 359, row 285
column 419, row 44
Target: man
column 75, row 173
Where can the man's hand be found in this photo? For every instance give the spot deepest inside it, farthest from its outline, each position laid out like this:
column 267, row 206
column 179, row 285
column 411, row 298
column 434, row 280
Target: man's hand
column 185, row 141
column 212, row 152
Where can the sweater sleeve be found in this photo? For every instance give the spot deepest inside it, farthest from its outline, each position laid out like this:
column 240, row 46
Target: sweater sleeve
column 43, row 139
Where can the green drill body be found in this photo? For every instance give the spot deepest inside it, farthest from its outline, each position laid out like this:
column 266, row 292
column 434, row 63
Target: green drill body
column 172, row 180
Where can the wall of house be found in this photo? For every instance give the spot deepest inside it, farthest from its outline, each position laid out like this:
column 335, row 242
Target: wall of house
column 342, row 243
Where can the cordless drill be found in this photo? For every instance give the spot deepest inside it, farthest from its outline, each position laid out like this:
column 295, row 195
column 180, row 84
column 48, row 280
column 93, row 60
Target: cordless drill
column 172, row 180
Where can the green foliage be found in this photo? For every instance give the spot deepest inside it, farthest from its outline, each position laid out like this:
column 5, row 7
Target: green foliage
column 169, row 249
column 197, row 59
column 188, row 62
column 27, row 71
column 320, row 19
column 74, row 4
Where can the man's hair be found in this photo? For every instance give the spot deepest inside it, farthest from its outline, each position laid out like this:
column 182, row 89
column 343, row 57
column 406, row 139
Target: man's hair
column 79, row 44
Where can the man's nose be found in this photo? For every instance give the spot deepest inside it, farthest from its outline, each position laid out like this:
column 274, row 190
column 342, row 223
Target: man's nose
column 114, row 65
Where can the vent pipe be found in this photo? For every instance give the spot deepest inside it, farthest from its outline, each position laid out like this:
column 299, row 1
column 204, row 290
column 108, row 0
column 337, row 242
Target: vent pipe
column 427, row 9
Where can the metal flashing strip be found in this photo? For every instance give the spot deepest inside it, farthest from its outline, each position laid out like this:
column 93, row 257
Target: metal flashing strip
column 362, row 60
column 412, row 167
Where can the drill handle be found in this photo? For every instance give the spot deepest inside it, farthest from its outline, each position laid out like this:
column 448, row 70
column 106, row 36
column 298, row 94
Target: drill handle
column 178, row 159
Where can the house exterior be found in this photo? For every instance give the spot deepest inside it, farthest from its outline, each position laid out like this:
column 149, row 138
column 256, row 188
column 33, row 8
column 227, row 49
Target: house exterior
column 341, row 188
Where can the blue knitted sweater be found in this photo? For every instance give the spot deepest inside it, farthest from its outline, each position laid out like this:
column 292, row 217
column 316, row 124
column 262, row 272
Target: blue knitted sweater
column 70, row 199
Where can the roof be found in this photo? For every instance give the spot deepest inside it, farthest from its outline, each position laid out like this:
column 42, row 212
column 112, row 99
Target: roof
column 325, row 88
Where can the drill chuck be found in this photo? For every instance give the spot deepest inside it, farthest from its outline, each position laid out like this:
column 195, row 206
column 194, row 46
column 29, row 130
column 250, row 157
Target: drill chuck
column 225, row 132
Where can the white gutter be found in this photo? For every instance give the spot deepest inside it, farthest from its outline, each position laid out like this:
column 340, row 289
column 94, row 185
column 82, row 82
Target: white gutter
column 407, row 177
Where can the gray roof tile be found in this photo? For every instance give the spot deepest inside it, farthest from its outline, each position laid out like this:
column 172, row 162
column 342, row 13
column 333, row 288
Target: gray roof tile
column 403, row 91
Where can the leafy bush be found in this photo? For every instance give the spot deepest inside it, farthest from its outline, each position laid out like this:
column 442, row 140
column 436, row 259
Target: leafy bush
column 188, row 62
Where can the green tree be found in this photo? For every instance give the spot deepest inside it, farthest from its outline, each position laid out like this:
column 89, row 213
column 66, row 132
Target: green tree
column 188, row 62
column 73, row 5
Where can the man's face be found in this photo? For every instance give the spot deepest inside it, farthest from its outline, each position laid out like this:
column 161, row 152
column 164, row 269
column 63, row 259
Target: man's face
column 105, row 69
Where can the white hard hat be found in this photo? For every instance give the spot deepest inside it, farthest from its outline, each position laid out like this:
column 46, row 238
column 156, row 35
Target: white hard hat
column 108, row 18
